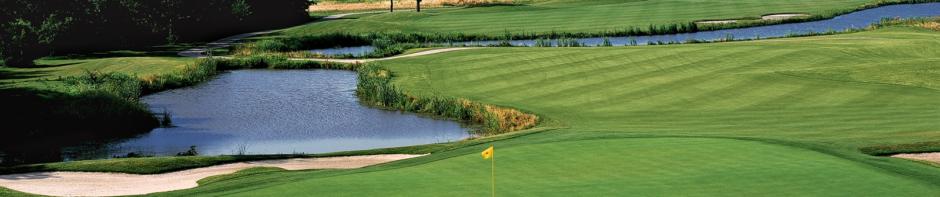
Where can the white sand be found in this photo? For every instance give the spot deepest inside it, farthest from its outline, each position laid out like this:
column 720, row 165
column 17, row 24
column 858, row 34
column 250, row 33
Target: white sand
column 119, row 184
column 719, row 21
column 780, row 16
column 934, row 157
column 765, row 17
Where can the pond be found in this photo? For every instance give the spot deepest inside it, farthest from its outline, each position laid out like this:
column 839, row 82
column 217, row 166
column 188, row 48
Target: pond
column 860, row 19
column 274, row 112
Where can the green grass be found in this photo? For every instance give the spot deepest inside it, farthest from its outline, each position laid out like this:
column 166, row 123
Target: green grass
column 917, row 73
column 570, row 15
column 701, row 89
column 240, row 173
column 779, row 118
column 53, row 69
column 614, row 167
column 690, row 120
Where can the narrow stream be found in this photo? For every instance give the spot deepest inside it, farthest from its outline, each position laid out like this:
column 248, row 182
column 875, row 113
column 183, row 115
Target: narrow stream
column 857, row 20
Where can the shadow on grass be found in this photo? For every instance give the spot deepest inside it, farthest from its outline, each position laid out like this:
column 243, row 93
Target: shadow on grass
column 14, row 75
column 37, row 123
column 169, row 50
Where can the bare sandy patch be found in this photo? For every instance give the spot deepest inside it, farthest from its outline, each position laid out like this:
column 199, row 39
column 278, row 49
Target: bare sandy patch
column 765, row 17
column 780, row 16
column 934, row 157
column 356, row 61
column 120, row 184
column 719, row 21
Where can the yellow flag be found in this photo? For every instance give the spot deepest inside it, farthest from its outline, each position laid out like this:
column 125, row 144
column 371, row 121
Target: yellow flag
column 488, row 153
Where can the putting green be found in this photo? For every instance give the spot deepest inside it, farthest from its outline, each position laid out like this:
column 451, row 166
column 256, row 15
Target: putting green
column 618, row 167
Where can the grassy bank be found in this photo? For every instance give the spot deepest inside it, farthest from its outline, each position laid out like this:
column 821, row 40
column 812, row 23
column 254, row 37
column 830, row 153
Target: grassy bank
column 705, row 119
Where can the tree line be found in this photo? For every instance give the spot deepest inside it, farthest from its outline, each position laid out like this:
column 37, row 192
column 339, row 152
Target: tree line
column 33, row 29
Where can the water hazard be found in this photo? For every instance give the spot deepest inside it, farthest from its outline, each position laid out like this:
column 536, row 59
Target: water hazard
column 274, row 112
column 857, row 20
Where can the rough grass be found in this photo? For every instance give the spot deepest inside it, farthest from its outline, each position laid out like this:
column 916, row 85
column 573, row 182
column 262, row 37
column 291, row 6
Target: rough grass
column 54, row 69
column 889, row 149
column 932, row 25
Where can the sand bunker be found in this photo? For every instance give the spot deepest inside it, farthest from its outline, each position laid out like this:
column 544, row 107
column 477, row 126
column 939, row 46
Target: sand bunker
column 934, row 157
column 719, row 21
column 120, row 184
column 356, row 61
column 765, row 17
column 780, row 16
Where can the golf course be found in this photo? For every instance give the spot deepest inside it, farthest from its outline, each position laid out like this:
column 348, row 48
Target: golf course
column 802, row 115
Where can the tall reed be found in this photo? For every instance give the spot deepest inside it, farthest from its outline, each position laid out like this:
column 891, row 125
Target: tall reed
column 375, row 86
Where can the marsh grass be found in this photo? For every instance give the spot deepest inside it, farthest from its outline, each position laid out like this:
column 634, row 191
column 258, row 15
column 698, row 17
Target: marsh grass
column 166, row 119
column 375, row 87
column 121, row 85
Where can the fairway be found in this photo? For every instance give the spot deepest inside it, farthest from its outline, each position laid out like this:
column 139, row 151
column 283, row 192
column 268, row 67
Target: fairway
column 724, row 119
column 725, row 89
column 569, row 16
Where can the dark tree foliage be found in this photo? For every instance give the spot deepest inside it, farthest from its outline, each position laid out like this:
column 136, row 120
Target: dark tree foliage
column 31, row 29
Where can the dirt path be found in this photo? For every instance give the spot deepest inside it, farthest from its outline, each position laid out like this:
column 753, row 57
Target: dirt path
column 120, row 184
column 387, row 58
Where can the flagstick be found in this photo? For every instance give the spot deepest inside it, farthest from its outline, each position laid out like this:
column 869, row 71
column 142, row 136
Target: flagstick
column 494, row 173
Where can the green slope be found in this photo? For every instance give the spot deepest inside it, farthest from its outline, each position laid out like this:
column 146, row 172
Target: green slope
column 624, row 167
column 703, row 89
column 726, row 119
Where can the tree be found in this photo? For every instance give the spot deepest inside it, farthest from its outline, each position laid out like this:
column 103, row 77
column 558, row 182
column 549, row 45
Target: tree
column 32, row 29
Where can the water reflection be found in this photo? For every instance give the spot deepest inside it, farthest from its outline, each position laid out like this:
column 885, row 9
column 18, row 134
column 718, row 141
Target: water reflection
column 272, row 112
